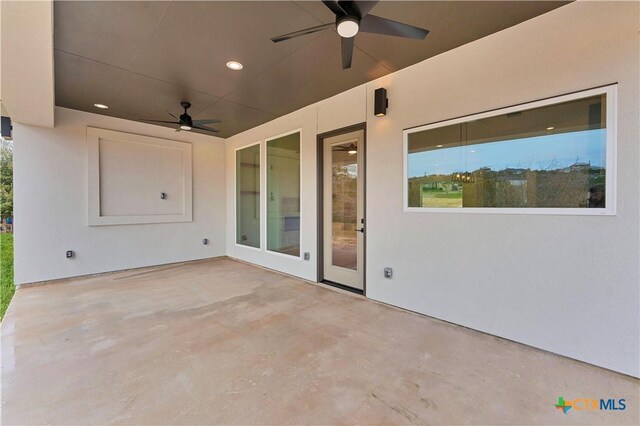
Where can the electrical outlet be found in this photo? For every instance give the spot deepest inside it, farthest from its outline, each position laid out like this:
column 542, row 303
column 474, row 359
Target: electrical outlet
column 388, row 272
column 307, row 255
column 70, row 254
column 205, row 241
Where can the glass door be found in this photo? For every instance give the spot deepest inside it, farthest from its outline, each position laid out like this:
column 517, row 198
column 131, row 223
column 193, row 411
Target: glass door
column 344, row 209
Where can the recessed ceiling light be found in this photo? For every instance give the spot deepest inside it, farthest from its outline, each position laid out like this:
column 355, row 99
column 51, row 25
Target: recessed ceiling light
column 472, row 150
column 439, row 146
column 102, row 106
column 550, row 128
column 233, row 65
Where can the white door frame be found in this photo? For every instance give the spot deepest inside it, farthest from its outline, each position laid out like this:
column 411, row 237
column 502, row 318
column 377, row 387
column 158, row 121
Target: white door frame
column 320, row 213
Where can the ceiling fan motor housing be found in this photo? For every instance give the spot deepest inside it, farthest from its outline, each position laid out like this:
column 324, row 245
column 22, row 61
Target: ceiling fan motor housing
column 186, row 119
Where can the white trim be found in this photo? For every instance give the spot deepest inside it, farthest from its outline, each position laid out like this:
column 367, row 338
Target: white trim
column 611, row 184
column 285, row 255
column 611, row 160
column 266, row 243
column 235, row 196
column 249, row 247
column 291, row 132
column 247, row 146
column 94, row 216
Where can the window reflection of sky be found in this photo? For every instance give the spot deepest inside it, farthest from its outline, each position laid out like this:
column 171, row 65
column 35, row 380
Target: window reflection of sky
column 549, row 152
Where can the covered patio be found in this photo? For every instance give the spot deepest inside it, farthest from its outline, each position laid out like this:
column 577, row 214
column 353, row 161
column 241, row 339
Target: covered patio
column 222, row 342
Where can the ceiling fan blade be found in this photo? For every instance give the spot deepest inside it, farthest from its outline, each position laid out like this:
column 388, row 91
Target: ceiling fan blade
column 364, row 7
column 360, row 8
column 378, row 25
column 206, row 129
column 350, row 147
column 335, row 7
column 160, row 121
column 209, row 121
column 302, row 32
column 172, row 114
column 347, row 51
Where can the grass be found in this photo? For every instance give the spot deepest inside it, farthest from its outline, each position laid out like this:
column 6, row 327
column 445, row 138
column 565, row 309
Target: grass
column 457, row 195
column 6, row 272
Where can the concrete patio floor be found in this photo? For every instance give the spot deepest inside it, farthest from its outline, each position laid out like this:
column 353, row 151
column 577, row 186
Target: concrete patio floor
column 222, row 342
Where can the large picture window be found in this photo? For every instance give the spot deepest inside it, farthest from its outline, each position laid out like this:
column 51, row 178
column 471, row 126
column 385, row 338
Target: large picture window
column 551, row 156
column 283, row 194
column 248, row 196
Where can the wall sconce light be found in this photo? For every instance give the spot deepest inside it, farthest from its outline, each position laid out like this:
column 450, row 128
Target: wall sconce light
column 381, row 103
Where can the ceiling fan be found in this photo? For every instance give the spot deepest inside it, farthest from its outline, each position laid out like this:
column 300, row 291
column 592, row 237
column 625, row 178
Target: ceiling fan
column 350, row 149
column 186, row 123
column 353, row 17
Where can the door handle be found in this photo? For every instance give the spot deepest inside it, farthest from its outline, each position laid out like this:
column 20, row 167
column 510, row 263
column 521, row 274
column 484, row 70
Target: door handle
column 360, row 230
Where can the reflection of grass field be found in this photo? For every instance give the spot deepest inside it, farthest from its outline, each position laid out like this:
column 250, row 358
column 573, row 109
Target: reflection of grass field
column 442, row 199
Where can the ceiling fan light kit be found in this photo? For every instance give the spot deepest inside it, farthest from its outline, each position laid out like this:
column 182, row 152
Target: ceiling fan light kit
column 348, row 26
column 352, row 17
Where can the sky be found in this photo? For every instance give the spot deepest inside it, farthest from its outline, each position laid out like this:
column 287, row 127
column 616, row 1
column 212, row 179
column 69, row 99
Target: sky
column 547, row 152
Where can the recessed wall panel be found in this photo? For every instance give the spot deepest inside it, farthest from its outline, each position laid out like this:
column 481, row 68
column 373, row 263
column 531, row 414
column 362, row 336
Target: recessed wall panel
column 137, row 179
column 134, row 176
